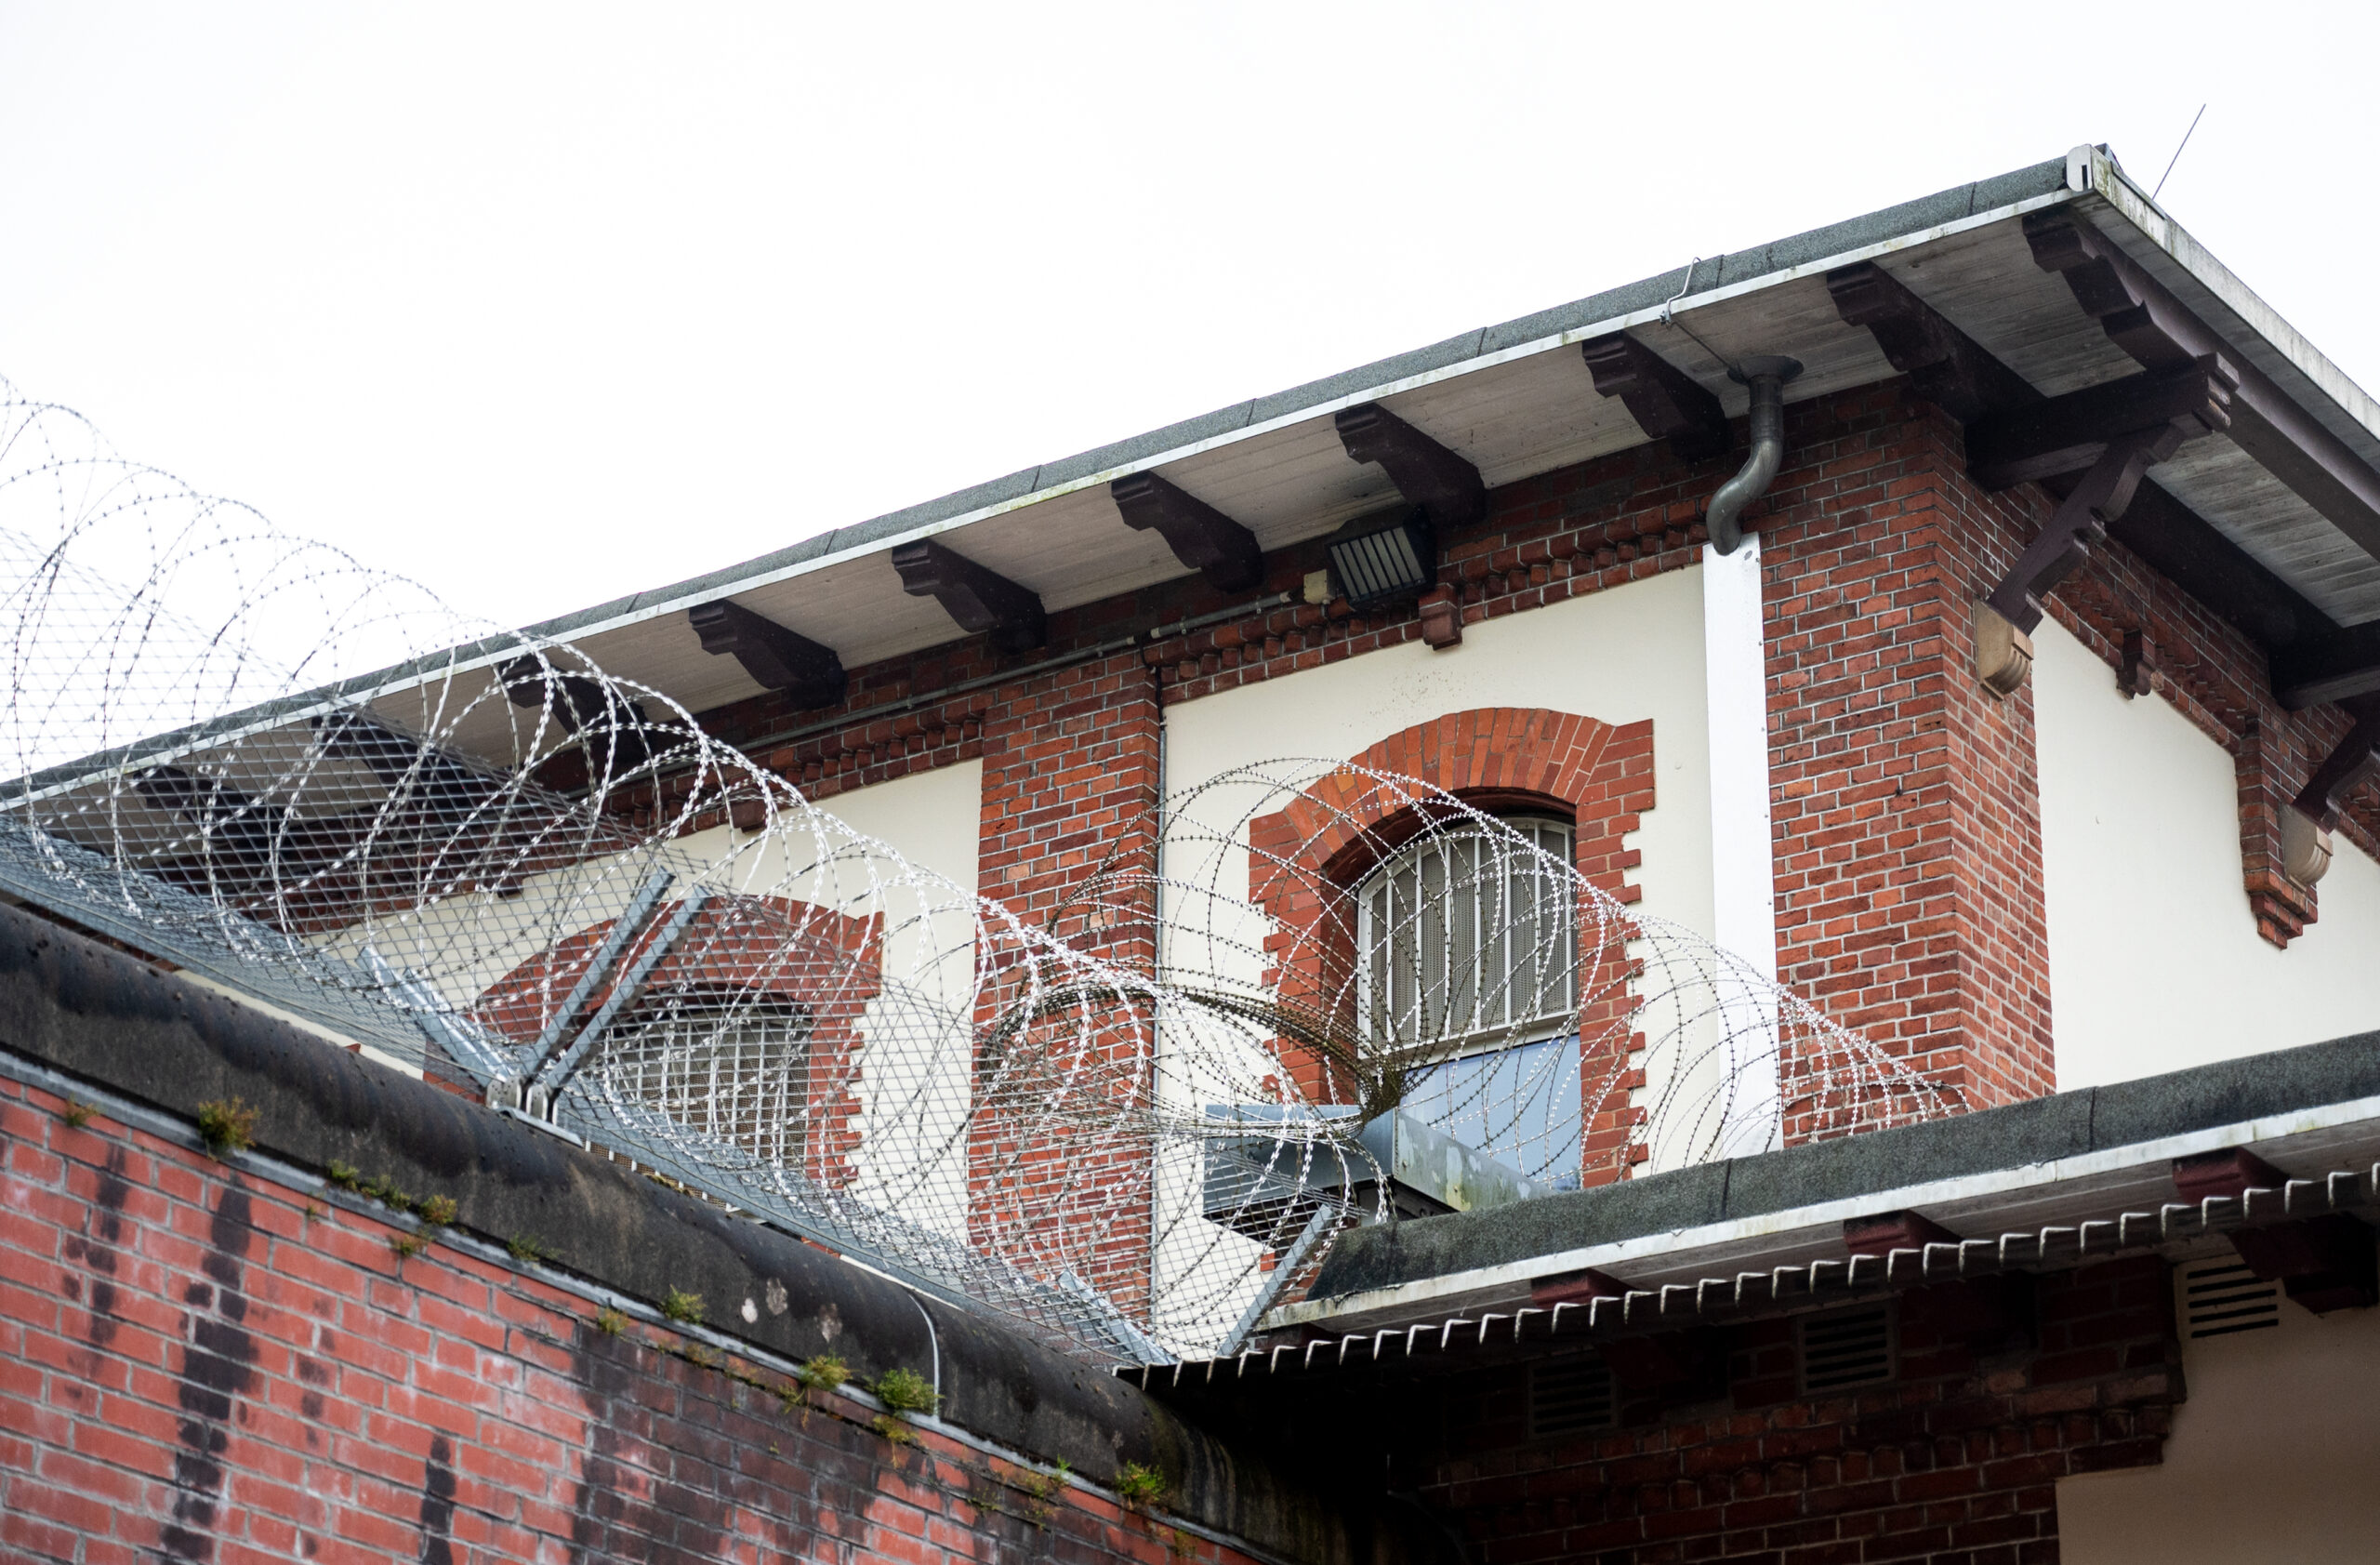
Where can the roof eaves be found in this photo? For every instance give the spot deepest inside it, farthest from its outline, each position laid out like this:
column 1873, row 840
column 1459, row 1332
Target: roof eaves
column 2234, row 311
column 1702, row 283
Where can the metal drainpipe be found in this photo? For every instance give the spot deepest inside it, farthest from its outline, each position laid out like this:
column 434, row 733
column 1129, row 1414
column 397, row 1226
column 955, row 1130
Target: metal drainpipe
column 1767, row 374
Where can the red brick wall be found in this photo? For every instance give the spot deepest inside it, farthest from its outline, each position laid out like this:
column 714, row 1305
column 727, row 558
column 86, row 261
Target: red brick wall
column 1908, row 820
column 1957, row 1460
column 196, row 1366
column 1070, row 786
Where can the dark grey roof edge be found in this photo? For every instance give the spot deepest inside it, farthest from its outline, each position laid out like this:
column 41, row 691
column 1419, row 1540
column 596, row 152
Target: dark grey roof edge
column 2020, row 1135
column 1710, row 274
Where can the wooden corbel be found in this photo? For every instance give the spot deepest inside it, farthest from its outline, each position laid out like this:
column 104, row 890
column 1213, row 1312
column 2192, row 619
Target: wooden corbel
column 586, row 706
column 1425, row 472
column 777, row 658
column 2068, row 434
column 981, row 600
column 2005, row 621
column 1944, row 365
column 1201, row 536
column 2307, row 824
column 1666, row 402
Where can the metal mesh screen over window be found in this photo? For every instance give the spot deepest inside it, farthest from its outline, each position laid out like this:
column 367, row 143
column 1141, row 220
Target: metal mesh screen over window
column 1469, row 970
column 1459, row 941
column 734, row 1067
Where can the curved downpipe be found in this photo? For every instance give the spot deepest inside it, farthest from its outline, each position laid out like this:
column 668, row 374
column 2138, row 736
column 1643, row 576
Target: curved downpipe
column 1766, row 375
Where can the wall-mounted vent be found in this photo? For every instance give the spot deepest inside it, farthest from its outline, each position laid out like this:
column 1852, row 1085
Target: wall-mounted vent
column 1567, row 1399
column 2221, row 1298
column 1846, row 1347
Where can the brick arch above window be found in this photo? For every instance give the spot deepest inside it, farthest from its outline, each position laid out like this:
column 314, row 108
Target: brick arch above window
column 1499, row 759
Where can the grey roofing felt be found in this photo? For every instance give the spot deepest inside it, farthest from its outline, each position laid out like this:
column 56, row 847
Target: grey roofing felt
column 1708, row 275
column 2062, row 1125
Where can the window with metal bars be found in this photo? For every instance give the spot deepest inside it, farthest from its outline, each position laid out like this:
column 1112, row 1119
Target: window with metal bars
column 1845, row 1347
column 727, row 1063
column 1468, row 973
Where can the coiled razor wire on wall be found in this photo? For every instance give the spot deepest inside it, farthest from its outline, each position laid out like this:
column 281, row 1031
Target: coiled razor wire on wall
column 1125, row 1130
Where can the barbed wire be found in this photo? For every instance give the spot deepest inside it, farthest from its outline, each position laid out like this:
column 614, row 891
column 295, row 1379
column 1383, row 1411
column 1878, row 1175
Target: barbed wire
column 1127, row 1129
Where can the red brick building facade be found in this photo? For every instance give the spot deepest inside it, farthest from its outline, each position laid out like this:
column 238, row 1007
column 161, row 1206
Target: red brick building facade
column 263, row 1300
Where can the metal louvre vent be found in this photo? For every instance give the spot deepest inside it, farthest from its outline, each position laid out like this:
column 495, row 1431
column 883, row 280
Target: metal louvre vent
column 1846, row 1347
column 2225, row 1296
column 1567, row 1399
column 1381, row 558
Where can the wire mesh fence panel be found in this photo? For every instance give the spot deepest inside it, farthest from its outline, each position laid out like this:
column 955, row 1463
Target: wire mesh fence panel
column 478, row 854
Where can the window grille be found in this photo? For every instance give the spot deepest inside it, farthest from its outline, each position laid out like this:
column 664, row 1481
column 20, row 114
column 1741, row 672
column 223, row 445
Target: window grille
column 2223, row 1297
column 1569, row 1398
column 1468, row 970
column 733, row 1065
column 1463, row 943
column 1846, row 1347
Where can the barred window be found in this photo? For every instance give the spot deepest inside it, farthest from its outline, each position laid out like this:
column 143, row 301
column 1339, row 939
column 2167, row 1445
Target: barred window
column 731, row 1064
column 1468, row 951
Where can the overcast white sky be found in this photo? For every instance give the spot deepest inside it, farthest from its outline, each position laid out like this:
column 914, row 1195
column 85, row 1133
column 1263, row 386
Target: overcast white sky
column 546, row 304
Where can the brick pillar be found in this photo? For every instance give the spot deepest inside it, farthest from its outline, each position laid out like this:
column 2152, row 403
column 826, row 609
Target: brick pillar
column 1906, row 807
column 1069, row 792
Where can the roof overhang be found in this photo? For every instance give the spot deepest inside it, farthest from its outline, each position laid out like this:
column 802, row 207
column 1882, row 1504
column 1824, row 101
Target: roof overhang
column 1518, row 399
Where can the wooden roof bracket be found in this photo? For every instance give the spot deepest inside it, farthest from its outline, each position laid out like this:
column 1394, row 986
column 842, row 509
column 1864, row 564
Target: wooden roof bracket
column 2333, row 666
column 1201, row 538
column 2005, row 620
column 2147, row 322
column 777, row 658
column 982, row 600
column 1428, row 474
column 2313, row 660
column 2307, row 824
column 1944, row 365
column 1666, row 402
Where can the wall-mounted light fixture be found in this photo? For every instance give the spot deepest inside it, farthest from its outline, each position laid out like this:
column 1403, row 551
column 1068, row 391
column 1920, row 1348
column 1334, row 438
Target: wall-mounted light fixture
column 1384, row 557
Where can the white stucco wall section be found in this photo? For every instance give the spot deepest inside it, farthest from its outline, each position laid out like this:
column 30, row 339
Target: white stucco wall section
column 2270, row 1461
column 1743, row 852
column 933, row 820
column 1620, row 655
column 2155, row 963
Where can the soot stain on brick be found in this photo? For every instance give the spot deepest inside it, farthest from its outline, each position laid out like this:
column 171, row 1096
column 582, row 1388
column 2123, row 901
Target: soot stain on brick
column 438, row 1504
column 217, row 1367
column 99, row 1253
column 316, row 1374
column 671, row 1509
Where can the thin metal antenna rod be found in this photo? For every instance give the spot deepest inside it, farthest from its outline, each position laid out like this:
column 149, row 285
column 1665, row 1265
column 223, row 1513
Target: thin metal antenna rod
column 2178, row 153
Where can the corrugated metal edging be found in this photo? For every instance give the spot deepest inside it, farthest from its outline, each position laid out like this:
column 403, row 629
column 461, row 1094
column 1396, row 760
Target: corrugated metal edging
column 1996, row 1144
column 1712, row 1299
